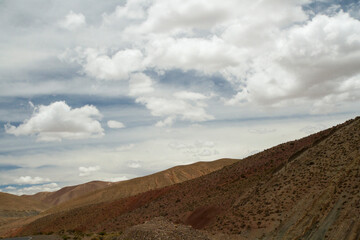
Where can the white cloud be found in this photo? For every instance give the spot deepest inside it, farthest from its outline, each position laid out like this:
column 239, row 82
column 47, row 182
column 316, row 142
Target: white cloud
column 197, row 149
column 116, row 67
column 31, row 180
column 310, row 129
column 49, row 187
column 173, row 108
column 126, row 147
column 115, row 124
column 10, row 188
column 133, row 10
column 205, row 55
column 190, row 95
column 262, row 130
column 317, row 61
column 86, row 171
column 59, row 121
column 73, row 21
column 178, row 15
column 185, row 105
column 167, row 122
column 116, row 179
column 134, row 164
column 140, row 84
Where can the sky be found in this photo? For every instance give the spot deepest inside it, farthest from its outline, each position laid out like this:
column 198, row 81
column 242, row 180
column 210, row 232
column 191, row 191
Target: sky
column 112, row 90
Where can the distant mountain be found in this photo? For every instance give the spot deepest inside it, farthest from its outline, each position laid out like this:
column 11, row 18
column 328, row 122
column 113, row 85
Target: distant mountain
column 67, row 193
column 303, row 189
column 13, row 203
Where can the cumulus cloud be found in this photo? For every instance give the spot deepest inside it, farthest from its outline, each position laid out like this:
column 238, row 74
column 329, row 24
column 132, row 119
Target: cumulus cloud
column 101, row 64
column 132, row 10
column 87, row 171
column 173, row 108
column 31, row 180
column 186, row 105
column 205, row 55
column 317, row 61
column 140, row 84
column 59, row 121
column 115, row 124
column 73, row 21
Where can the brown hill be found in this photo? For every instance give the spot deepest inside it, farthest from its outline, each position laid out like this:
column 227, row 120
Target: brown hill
column 67, row 193
column 142, row 184
column 304, row 189
column 9, row 202
column 13, row 207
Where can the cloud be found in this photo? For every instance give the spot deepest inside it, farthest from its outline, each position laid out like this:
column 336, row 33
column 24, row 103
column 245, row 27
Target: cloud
column 197, row 149
column 116, row 179
column 132, row 10
column 100, row 64
column 262, row 130
column 178, row 15
column 115, row 124
column 173, row 108
column 86, row 171
column 204, row 55
column 134, row 164
column 310, row 129
column 317, row 61
column 140, row 84
column 126, row 147
column 73, row 21
column 31, row 180
column 190, row 95
column 186, row 105
column 59, row 121
column 49, row 187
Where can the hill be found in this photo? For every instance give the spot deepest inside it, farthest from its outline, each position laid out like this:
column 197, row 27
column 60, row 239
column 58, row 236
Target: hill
column 67, row 193
column 98, row 192
column 135, row 186
column 303, row 189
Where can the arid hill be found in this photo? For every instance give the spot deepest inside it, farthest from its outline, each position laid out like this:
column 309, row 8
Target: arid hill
column 9, row 202
column 135, row 186
column 13, row 207
column 303, row 189
column 98, row 192
column 67, row 193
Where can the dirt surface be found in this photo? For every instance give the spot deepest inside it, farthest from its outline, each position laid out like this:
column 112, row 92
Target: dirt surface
column 161, row 229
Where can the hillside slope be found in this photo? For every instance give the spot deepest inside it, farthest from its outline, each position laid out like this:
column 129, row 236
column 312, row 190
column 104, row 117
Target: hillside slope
column 308, row 189
column 9, row 202
column 135, row 186
column 67, row 193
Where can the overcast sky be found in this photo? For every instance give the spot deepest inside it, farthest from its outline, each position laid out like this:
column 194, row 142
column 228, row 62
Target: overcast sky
column 111, row 90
